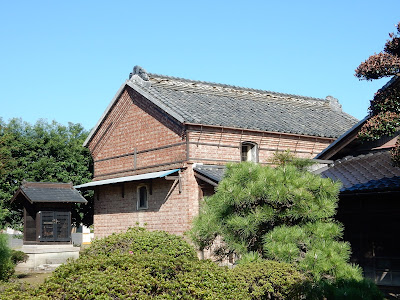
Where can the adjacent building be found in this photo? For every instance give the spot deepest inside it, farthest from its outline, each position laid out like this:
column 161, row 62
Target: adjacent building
column 369, row 205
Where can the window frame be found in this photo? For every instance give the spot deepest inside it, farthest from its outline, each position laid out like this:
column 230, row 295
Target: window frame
column 138, row 197
column 252, row 149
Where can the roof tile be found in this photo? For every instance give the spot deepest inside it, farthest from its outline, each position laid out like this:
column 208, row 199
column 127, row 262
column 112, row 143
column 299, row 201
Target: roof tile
column 230, row 106
column 371, row 172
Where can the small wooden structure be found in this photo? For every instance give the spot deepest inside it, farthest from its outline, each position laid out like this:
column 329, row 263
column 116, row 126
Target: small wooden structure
column 47, row 211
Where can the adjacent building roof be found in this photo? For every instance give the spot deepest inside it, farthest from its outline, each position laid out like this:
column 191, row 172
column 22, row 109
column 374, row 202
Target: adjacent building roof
column 205, row 103
column 212, row 172
column 372, row 172
column 341, row 142
column 48, row 192
column 151, row 175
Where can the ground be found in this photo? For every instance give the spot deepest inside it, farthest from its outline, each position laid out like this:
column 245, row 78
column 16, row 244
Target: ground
column 32, row 278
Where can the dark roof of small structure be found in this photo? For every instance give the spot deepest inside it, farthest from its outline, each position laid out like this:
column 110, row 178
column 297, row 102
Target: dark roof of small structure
column 213, row 172
column 49, row 192
column 372, row 172
column 205, row 103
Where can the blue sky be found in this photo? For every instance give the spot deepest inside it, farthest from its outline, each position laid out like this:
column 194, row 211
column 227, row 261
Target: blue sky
column 64, row 61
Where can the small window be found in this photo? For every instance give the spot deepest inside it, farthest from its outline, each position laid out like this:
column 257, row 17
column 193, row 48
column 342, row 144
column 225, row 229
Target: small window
column 142, row 196
column 249, row 152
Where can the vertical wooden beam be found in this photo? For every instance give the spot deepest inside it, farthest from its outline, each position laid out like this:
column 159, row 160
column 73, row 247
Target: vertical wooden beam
column 179, row 181
column 187, row 146
column 135, row 159
column 201, row 133
column 220, row 138
column 262, row 137
column 151, row 187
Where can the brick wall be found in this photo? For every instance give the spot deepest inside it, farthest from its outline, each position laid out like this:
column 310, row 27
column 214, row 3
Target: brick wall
column 220, row 145
column 116, row 206
column 133, row 136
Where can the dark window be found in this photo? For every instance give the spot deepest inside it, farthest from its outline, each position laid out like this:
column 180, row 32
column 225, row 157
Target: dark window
column 55, row 226
column 142, row 197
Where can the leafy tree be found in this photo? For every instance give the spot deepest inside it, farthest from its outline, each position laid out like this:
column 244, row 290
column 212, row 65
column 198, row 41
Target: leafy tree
column 385, row 106
column 43, row 152
column 283, row 213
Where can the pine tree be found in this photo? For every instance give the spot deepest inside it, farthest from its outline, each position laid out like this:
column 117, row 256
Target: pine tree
column 283, row 213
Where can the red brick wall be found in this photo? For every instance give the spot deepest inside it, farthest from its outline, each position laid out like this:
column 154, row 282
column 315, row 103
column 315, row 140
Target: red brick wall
column 217, row 145
column 135, row 125
column 167, row 210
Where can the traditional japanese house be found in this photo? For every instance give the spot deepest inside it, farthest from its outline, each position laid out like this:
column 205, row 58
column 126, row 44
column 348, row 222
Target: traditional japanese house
column 160, row 137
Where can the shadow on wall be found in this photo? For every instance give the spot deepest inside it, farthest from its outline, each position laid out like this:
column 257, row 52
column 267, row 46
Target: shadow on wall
column 129, row 197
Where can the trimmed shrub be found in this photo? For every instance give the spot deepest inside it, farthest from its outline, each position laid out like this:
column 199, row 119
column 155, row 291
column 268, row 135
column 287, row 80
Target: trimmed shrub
column 156, row 265
column 18, row 256
column 143, row 276
column 270, row 280
column 13, row 290
column 139, row 240
column 137, row 265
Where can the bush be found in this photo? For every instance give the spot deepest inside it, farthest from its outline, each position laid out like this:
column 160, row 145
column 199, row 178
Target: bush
column 143, row 276
column 270, row 280
column 6, row 264
column 155, row 265
column 141, row 265
column 18, row 256
column 13, row 290
column 139, row 240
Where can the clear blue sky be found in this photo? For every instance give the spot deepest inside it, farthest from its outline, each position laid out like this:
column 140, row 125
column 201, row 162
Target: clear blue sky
column 65, row 60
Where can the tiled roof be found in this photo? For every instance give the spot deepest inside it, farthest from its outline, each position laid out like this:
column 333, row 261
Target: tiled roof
column 214, row 104
column 381, row 185
column 370, row 172
column 49, row 192
column 230, row 106
column 213, row 172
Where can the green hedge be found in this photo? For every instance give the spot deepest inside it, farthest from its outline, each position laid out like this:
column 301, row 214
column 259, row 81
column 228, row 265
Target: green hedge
column 155, row 265
column 270, row 280
column 139, row 240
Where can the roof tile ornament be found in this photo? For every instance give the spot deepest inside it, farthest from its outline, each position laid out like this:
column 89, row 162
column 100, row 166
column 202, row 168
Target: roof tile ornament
column 139, row 71
column 334, row 103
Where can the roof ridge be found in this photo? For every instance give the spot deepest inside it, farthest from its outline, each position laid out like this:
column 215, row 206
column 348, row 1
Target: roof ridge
column 360, row 156
column 227, row 86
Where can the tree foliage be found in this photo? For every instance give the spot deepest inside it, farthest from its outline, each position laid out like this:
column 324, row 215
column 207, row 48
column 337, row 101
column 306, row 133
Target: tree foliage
column 383, row 64
column 6, row 265
column 43, row 152
column 9, row 258
column 283, row 213
column 385, row 106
